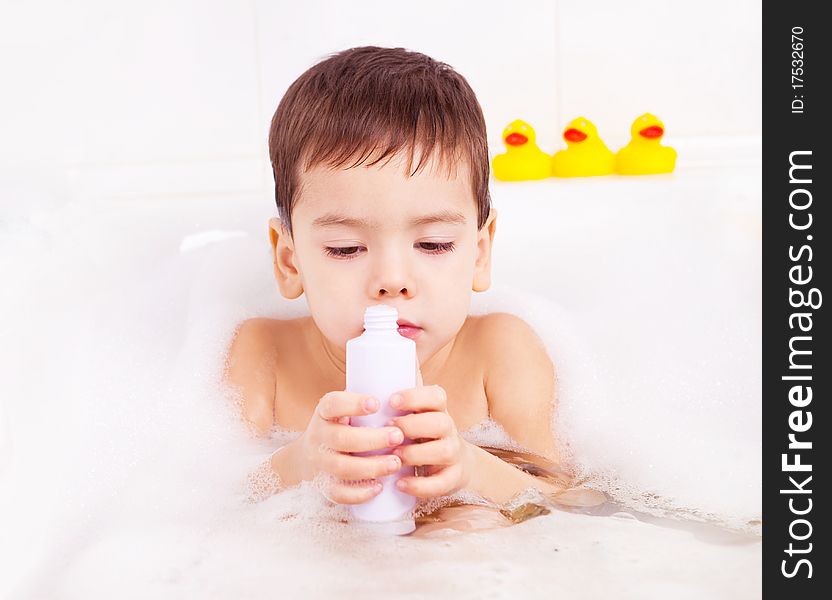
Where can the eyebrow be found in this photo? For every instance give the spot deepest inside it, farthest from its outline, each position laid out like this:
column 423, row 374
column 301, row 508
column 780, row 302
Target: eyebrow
column 335, row 219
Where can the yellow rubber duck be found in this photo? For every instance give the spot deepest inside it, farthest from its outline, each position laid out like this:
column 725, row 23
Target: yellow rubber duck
column 645, row 155
column 522, row 159
column 586, row 155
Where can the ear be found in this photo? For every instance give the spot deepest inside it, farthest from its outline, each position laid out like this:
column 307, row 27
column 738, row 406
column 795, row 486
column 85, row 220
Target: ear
column 485, row 239
column 285, row 260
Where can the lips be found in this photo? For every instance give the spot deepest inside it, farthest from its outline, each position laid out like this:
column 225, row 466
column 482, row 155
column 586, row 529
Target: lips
column 516, row 139
column 654, row 131
column 574, row 135
column 408, row 329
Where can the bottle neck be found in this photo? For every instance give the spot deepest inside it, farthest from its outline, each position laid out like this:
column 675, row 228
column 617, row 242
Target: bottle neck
column 380, row 320
column 377, row 329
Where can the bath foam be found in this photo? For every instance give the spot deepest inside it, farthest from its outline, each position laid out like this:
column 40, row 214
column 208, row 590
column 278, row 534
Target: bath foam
column 117, row 374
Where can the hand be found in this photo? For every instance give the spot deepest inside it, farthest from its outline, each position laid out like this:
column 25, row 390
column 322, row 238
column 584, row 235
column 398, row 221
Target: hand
column 444, row 456
column 328, row 440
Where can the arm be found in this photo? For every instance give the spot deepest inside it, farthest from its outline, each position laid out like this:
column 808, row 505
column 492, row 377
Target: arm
column 249, row 369
column 498, row 481
column 274, row 474
column 520, row 387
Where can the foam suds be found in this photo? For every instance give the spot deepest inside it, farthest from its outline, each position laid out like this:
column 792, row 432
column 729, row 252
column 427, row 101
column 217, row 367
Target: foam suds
column 126, row 472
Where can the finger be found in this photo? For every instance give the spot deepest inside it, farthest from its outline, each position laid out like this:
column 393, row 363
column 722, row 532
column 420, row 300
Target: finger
column 349, row 438
column 334, row 405
column 355, row 492
column 435, row 452
column 441, row 484
column 427, row 397
column 356, row 468
column 431, row 425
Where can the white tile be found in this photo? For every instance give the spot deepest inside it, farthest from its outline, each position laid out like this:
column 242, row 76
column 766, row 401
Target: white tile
column 126, row 83
column 166, row 179
column 696, row 65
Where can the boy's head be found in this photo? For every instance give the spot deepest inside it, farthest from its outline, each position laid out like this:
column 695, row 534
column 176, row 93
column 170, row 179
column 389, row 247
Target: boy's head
column 368, row 148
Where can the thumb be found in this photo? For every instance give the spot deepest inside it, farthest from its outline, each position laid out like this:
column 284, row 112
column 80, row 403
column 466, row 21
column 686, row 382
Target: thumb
column 418, row 374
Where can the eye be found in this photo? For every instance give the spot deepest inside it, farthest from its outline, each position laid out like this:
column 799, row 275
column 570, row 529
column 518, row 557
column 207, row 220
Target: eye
column 350, row 252
column 436, row 247
column 343, row 253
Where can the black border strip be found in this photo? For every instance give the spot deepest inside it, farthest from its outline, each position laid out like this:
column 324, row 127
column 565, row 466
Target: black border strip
column 796, row 131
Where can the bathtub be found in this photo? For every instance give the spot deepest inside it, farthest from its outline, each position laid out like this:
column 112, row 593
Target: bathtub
column 122, row 467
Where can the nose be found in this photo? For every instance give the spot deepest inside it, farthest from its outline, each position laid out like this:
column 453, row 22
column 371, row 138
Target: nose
column 392, row 287
column 392, row 278
column 393, row 292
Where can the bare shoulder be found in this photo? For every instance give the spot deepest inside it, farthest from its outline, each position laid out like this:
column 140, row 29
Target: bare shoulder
column 502, row 334
column 250, row 370
column 519, row 381
column 489, row 336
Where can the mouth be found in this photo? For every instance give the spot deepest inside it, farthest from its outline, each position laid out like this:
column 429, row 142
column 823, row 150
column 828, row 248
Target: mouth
column 574, row 135
column 516, row 139
column 651, row 132
column 408, row 329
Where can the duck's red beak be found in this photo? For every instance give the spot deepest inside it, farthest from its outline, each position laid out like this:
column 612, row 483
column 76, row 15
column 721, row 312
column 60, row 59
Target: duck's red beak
column 516, row 139
column 654, row 131
column 574, row 135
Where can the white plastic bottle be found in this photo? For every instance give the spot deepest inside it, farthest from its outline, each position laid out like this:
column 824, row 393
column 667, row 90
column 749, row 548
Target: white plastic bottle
column 381, row 362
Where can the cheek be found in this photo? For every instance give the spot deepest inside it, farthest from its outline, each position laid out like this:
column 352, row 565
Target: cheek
column 332, row 297
column 339, row 321
column 456, row 274
column 448, row 291
column 333, row 324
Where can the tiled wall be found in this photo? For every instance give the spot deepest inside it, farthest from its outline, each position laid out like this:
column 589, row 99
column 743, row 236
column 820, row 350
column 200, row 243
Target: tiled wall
column 174, row 97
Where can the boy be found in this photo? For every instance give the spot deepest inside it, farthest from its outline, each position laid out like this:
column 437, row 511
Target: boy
column 360, row 225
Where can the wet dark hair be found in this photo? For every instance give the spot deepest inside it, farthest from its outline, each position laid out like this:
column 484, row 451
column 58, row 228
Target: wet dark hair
column 371, row 102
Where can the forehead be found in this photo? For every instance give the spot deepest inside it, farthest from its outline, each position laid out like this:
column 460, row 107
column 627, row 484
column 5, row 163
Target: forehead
column 386, row 193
